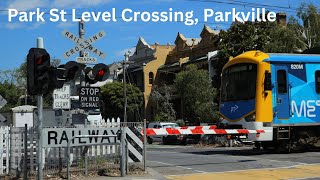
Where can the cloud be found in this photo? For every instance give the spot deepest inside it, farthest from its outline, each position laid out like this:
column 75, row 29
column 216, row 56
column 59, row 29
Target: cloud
column 122, row 52
column 14, row 25
column 78, row 3
column 23, row 5
column 36, row 25
column 64, row 25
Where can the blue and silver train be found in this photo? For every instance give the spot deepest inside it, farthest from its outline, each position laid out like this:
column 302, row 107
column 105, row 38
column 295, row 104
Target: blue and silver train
column 275, row 92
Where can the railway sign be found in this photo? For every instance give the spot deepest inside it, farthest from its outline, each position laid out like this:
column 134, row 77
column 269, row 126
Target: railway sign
column 86, row 60
column 84, row 44
column 59, row 137
column 3, row 102
column 61, row 98
column 89, row 97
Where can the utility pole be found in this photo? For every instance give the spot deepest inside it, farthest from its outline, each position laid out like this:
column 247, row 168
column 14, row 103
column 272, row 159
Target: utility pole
column 126, row 59
column 81, row 35
column 40, row 119
column 83, row 84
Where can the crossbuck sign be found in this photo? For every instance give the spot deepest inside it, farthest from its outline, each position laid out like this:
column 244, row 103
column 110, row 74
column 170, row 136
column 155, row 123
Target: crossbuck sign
column 84, row 44
column 3, row 102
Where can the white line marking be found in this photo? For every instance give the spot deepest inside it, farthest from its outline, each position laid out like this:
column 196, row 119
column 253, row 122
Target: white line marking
column 279, row 161
column 162, row 163
column 182, row 167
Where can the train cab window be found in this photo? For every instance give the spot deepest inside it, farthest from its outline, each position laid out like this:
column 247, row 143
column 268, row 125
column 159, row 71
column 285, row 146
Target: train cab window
column 282, row 81
column 317, row 80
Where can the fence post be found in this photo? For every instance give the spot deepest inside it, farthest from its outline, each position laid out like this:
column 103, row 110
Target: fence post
column 123, row 153
column 144, row 143
column 11, row 149
column 2, row 145
column 25, row 166
column 7, row 139
column 127, row 154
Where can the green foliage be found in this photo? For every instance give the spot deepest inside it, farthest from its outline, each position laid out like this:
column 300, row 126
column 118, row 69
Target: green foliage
column 242, row 37
column 112, row 96
column 164, row 108
column 281, row 40
column 11, row 93
column 197, row 95
column 308, row 32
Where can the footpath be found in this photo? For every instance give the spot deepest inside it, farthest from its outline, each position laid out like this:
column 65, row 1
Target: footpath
column 150, row 174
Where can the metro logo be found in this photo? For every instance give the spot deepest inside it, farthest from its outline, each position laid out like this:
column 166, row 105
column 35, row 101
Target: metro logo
column 306, row 109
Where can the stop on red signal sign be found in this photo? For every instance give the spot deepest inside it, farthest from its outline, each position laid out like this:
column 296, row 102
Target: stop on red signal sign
column 89, row 97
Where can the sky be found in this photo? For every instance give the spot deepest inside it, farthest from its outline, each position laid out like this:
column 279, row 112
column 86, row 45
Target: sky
column 18, row 37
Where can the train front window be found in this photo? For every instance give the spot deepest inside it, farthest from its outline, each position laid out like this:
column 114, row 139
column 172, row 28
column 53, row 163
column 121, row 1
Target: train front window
column 239, row 82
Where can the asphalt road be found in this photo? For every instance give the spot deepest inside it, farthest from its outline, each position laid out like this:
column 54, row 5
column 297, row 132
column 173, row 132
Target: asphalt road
column 193, row 162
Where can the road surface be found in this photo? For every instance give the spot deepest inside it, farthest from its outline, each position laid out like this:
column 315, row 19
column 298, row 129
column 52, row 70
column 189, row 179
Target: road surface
column 193, row 162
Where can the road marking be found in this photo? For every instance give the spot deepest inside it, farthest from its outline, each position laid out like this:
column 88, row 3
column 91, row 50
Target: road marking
column 182, row 167
column 278, row 161
column 289, row 172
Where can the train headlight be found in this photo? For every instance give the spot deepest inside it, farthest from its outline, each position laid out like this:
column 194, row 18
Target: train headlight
column 251, row 117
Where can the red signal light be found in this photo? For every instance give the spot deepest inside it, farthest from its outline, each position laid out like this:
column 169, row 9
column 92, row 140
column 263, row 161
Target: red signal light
column 101, row 72
column 39, row 61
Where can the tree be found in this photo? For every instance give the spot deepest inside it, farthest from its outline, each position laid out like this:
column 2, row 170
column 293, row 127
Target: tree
column 242, row 37
column 282, row 40
column 112, row 96
column 162, row 102
column 197, row 94
column 11, row 93
column 308, row 32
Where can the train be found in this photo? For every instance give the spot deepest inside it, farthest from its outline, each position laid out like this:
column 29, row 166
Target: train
column 276, row 92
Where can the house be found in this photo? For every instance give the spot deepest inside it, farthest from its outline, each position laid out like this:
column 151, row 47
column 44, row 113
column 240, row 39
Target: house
column 142, row 71
column 187, row 51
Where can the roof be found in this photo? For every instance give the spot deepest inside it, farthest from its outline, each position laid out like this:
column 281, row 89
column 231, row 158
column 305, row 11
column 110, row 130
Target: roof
column 165, row 66
column 190, row 41
column 296, row 58
column 24, row 108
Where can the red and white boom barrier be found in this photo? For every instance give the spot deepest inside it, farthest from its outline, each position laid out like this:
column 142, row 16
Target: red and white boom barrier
column 200, row 130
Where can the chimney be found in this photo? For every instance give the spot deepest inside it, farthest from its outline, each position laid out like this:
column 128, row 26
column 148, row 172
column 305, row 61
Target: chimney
column 282, row 19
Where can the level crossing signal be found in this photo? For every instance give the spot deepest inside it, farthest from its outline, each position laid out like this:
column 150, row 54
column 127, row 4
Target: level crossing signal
column 57, row 78
column 99, row 72
column 73, row 70
column 42, row 78
column 38, row 67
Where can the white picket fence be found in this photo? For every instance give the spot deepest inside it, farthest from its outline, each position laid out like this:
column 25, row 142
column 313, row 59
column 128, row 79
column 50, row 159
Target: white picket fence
column 11, row 149
column 4, row 150
column 99, row 150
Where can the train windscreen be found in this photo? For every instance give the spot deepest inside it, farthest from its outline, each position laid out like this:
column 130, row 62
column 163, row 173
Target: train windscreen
column 239, row 82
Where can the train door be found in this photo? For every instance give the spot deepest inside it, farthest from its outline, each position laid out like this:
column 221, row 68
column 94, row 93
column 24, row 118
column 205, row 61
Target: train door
column 282, row 94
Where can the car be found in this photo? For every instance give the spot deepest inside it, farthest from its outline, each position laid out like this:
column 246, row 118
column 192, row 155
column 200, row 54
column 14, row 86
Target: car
column 168, row 138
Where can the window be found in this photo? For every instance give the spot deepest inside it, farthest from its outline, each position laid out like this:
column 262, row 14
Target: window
column 282, row 81
column 151, row 78
column 317, row 81
column 239, row 82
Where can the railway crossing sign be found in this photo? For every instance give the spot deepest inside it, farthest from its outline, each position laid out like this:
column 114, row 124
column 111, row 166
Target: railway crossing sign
column 84, row 44
column 3, row 102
